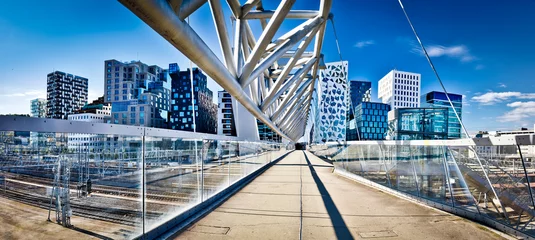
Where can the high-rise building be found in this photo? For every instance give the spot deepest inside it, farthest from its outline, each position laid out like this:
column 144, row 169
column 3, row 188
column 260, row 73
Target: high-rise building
column 225, row 115
column 226, row 122
column 359, row 91
column 182, row 108
column 400, row 89
column 139, row 94
column 371, row 120
column 38, row 108
column 333, row 102
column 418, row 124
column 66, row 93
column 439, row 99
column 96, row 112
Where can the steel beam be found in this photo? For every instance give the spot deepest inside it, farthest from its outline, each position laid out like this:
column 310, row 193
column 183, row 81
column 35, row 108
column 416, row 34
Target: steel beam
column 296, row 14
column 300, row 73
column 248, row 6
column 290, row 41
column 187, row 8
column 290, row 65
column 224, row 41
column 291, row 98
column 266, row 37
column 175, row 5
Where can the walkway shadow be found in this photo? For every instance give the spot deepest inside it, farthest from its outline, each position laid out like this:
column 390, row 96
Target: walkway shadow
column 339, row 225
column 92, row 234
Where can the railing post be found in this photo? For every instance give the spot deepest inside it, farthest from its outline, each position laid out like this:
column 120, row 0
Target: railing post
column 526, row 175
column 414, row 170
column 447, row 172
column 143, row 181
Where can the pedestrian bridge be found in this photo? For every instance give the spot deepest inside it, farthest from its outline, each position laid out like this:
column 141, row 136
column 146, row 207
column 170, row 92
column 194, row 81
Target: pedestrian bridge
column 156, row 183
column 299, row 197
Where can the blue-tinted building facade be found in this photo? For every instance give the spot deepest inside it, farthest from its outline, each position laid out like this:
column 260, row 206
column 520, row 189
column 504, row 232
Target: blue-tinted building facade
column 181, row 101
column 371, row 120
column 359, row 91
column 139, row 93
column 418, row 124
column 438, row 99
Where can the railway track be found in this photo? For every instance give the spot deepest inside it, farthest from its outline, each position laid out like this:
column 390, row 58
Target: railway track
column 109, row 214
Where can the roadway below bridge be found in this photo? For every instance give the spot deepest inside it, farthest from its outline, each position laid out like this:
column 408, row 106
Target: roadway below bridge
column 300, row 197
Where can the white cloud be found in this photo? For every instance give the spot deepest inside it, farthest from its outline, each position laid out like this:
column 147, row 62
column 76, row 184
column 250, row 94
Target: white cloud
column 28, row 93
column 363, row 44
column 501, row 85
column 465, row 101
column 521, row 111
column 491, row 98
column 460, row 52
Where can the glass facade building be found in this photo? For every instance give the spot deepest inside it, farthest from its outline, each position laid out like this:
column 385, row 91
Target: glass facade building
column 418, row 123
column 138, row 93
column 439, row 99
column 371, row 120
column 181, row 101
column 359, row 91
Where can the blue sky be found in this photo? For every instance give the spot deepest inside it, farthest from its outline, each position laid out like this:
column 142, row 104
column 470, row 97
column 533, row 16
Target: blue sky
column 482, row 49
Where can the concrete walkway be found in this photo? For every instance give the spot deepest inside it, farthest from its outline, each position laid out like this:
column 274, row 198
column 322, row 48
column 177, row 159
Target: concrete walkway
column 300, row 196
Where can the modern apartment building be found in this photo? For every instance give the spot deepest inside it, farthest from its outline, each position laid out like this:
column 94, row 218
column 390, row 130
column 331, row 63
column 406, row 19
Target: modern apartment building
column 66, row 93
column 96, row 112
column 183, row 107
column 225, row 114
column 418, row 124
column 139, row 93
column 400, row 89
column 38, row 108
column 371, row 120
column 226, row 122
column 439, row 100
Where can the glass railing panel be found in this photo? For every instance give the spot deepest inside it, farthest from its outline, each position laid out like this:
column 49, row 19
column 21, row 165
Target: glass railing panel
column 90, row 183
column 462, row 196
column 400, row 169
column 375, row 164
column 216, row 174
column 173, row 177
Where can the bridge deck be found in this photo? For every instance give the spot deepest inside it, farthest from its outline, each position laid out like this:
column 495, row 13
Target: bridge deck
column 332, row 207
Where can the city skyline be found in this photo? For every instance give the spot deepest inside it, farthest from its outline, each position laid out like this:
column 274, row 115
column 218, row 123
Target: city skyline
column 468, row 53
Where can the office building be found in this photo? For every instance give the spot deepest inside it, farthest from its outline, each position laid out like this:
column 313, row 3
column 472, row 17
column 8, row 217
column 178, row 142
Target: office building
column 96, row 112
column 225, row 115
column 359, row 91
column 66, row 93
column 418, row 124
column 139, row 94
column 371, row 121
column 182, row 107
column 334, row 102
column 38, row 108
column 266, row 134
column 439, row 99
column 226, row 123
column 400, row 89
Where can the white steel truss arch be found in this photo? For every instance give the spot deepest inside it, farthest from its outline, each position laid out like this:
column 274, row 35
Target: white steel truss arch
column 278, row 93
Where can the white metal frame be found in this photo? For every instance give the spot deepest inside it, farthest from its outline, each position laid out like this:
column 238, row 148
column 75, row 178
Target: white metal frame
column 250, row 70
